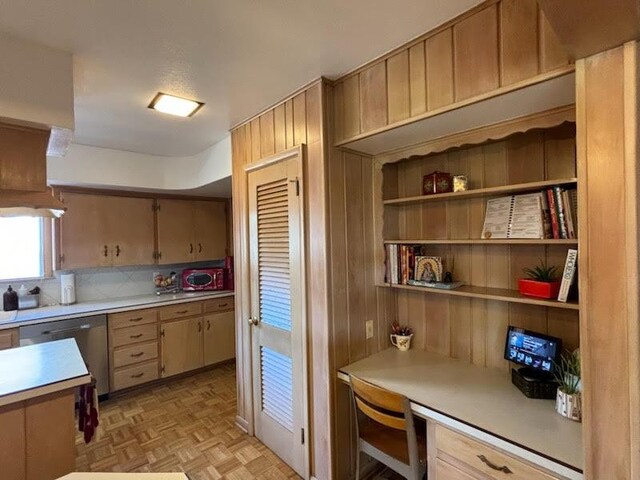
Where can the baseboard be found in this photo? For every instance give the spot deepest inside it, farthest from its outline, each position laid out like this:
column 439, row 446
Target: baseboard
column 242, row 424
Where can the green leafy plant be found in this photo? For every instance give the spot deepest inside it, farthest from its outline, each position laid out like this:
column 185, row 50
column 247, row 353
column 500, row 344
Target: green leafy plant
column 543, row 272
column 402, row 330
column 567, row 372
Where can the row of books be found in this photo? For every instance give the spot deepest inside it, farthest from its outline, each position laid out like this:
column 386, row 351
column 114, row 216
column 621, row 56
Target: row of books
column 560, row 211
column 551, row 213
column 407, row 263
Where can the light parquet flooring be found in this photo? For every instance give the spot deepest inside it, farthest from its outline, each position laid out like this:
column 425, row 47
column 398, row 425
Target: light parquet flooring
column 186, row 425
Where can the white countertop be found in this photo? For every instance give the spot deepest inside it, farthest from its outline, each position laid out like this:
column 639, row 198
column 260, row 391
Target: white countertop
column 482, row 397
column 114, row 305
column 35, row 370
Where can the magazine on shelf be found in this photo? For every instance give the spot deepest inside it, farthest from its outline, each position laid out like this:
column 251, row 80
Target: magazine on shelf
column 515, row 216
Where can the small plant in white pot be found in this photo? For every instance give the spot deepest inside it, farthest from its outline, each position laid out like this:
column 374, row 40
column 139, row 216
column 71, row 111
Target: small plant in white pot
column 569, row 396
column 401, row 336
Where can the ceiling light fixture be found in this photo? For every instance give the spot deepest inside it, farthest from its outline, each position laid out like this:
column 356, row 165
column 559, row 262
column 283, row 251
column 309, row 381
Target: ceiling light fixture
column 181, row 107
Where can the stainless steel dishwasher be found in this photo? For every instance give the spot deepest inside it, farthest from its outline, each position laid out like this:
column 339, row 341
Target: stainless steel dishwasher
column 91, row 335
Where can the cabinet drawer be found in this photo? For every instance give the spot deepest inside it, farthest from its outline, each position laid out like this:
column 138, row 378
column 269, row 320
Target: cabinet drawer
column 130, row 319
column 135, row 354
column 484, row 458
column 218, row 305
column 444, row 471
column 129, row 335
column 8, row 339
column 180, row 310
column 135, row 375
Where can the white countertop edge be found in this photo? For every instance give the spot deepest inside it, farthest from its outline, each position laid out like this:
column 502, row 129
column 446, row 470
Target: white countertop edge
column 485, row 437
column 44, row 390
column 152, row 303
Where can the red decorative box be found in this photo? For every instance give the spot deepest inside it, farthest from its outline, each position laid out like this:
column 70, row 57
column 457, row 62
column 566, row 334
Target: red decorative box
column 534, row 288
column 437, row 182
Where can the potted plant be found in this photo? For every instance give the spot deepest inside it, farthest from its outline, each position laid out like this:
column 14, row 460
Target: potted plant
column 569, row 395
column 543, row 281
column 401, row 336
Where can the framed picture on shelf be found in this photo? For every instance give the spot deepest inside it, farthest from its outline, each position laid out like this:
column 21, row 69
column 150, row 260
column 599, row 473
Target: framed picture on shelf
column 428, row 269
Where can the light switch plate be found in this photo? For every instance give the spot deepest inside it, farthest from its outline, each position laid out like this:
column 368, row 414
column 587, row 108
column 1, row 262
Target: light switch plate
column 369, row 329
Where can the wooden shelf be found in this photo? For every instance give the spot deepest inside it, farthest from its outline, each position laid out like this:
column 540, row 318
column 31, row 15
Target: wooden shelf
column 498, row 294
column 480, row 192
column 496, row 241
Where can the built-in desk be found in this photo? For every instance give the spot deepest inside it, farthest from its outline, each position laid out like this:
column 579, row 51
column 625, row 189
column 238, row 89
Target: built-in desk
column 479, row 402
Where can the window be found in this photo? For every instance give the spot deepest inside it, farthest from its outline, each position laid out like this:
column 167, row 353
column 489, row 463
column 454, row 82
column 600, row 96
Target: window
column 21, row 247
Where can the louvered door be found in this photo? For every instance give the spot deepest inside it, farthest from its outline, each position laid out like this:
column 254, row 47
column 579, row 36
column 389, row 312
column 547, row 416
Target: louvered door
column 275, row 215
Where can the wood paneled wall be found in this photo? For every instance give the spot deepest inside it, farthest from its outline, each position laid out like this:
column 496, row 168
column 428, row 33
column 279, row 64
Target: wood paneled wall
column 499, row 45
column 474, row 329
column 607, row 117
column 299, row 120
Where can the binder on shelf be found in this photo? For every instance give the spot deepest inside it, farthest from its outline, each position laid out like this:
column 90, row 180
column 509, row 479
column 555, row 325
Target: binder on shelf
column 515, row 216
column 568, row 275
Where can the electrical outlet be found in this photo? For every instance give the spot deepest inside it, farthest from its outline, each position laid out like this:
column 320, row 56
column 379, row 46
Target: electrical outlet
column 369, row 329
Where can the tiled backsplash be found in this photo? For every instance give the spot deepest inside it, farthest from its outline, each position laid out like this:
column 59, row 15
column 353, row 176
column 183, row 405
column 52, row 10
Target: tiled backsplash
column 104, row 283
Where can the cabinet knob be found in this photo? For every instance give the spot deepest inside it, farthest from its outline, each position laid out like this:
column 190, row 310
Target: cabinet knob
column 199, row 248
column 191, row 248
column 117, row 250
column 106, row 251
column 208, row 324
column 199, row 327
column 253, row 321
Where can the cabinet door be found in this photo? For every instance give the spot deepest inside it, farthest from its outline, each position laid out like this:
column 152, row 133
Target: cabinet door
column 130, row 230
column 219, row 337
column 82, row 232
column 181, row 346
column 175, row 231
column 210, row 219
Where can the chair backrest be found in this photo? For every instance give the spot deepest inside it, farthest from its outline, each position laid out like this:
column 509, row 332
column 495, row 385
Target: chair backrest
column 381, row 405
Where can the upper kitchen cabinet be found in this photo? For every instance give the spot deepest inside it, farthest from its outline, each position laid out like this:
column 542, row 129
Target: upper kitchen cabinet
column 190, row 230
column 102, row 230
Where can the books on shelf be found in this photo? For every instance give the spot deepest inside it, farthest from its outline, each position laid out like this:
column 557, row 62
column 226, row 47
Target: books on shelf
column 550, row 214
column 569, row 276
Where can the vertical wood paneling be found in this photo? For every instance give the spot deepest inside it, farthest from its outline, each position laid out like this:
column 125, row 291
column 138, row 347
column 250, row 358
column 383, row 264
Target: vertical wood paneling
column 518, row 40
column 439, row 53
column 351, row 93
column 313, row 112
column 373, row 98
column 279, row 125
column 475, row 41
column 267, row 134
column 552, row 54
column 299, row 119
column 288, row 118
column 417, row 79
column 338, row 111
column 255, row 140
column 398, row 86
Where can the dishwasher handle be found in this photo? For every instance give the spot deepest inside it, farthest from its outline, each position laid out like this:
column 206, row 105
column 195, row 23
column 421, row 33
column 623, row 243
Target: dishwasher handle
column 85, row 326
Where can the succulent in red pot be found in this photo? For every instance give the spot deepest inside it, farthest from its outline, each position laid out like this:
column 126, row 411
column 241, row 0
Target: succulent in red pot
column 543, row 281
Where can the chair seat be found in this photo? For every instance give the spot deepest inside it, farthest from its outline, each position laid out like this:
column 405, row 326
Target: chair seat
column 391, row 441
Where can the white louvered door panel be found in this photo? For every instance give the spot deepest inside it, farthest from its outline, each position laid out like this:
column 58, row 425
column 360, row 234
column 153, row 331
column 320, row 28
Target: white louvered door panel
column 277, row 302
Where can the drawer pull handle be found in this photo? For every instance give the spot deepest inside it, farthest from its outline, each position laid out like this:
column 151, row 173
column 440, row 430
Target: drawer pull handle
column 137, row 319
column 137, row 375
column 137, row 354
column 222, row 305
column 182, row 312
column 208, row 324
column 492, row 465
column 135, row 336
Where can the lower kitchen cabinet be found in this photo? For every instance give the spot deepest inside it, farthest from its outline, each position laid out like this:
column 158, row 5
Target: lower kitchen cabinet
column 219, row 337
column 181, row 346
column 9, row 338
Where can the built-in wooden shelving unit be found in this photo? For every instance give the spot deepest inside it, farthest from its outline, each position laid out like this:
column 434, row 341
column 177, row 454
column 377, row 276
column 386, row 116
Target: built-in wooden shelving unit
column 486, row 293
column 481, row 192
column 495, row 241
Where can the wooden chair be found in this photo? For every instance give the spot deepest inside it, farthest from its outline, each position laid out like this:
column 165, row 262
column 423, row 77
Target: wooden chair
column 386, row 431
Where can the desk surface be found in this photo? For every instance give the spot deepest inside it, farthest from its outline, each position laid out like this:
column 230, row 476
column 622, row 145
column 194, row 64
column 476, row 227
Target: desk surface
column 481, row 397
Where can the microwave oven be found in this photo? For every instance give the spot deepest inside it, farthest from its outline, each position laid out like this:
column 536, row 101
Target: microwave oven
column 202, row 279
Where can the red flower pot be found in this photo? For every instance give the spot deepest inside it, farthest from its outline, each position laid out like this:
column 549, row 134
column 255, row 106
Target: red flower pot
column 534, row 288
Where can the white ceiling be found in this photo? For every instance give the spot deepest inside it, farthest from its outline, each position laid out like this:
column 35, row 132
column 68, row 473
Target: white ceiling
column 237, row 56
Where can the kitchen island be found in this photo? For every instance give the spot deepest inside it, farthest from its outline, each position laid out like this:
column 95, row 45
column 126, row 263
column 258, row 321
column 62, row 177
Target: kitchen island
column 37, row 386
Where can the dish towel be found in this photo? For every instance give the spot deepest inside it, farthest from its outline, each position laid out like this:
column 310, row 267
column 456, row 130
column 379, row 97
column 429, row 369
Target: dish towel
column 88, row 410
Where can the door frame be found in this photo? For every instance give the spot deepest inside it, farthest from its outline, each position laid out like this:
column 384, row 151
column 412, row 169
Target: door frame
column 247, row 341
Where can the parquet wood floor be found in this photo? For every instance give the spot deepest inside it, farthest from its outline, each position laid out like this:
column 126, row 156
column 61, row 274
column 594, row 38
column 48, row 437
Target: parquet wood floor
column 182, row 426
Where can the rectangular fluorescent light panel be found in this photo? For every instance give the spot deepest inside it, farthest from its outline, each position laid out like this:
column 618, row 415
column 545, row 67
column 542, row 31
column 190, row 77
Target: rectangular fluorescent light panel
column 182, row 107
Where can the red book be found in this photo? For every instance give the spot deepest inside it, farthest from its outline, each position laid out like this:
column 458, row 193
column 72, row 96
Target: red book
column 553, row 209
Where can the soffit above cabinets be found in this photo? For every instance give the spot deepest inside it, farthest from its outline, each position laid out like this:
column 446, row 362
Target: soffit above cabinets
column 557, row 92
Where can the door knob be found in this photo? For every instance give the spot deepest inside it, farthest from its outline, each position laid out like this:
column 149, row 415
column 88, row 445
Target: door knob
column 253, row 321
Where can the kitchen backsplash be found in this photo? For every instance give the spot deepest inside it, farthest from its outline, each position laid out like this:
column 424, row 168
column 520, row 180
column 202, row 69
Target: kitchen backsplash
column 94, row 284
